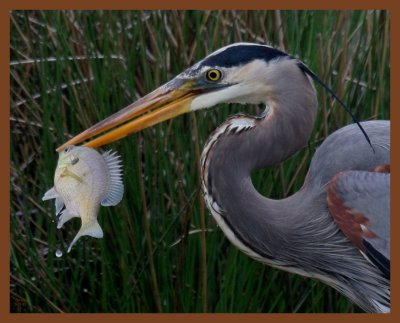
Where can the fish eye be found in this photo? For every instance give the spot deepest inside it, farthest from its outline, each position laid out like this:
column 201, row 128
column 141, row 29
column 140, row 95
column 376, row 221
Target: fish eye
column 67, row 149
column 213, row 75
column 74, row 160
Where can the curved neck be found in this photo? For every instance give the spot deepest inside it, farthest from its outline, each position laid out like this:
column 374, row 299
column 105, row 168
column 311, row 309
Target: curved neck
column 242, row 145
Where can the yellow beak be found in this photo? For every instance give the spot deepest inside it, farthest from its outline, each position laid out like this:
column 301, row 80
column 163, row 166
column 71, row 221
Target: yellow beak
column 166, row 102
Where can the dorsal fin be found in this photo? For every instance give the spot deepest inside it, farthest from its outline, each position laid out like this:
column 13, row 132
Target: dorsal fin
column 116, row 187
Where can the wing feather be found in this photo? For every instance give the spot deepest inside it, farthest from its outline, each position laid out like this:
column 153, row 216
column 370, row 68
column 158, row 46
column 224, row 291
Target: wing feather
column 359, row 201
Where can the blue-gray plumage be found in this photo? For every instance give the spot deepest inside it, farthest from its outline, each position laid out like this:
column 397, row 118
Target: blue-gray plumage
column 301, row 224
column 300, row 233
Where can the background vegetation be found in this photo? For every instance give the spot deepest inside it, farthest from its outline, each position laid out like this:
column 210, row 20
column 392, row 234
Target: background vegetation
column 162, row 251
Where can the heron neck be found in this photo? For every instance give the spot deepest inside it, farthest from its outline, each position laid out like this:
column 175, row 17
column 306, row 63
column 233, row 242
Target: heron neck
column 234, row 154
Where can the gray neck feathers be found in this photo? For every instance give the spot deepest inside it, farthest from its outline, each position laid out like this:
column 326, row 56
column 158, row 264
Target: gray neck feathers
column 292, row 104
column 272, row 139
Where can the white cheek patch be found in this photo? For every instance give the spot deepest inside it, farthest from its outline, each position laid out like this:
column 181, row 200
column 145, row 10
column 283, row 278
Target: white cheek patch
column 250, row 85
column 208, row 100
column 246, row 93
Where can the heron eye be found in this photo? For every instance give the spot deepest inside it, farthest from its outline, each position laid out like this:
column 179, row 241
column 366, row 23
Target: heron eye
column 213, row 75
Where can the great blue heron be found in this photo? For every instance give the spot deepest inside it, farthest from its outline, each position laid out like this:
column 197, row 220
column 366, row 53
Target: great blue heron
column 336, row 227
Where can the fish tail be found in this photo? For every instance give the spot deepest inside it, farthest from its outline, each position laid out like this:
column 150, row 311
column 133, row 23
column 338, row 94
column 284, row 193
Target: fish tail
column 91, row 228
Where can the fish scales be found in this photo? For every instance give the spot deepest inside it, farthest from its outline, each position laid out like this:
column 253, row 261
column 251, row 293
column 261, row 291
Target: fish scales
column 85, row 179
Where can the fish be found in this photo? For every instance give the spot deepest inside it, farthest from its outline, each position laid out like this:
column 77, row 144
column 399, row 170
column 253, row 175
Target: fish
column 84, row 180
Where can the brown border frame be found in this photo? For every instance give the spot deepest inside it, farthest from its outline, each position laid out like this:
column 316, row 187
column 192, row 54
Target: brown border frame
column 8, row 5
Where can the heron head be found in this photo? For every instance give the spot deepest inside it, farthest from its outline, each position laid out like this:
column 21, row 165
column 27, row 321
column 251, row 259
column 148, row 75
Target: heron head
column 238, row 73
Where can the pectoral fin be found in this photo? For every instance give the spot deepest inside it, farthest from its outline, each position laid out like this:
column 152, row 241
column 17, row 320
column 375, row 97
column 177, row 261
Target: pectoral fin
column 116, row 187
column 64, row 217
column 50, row 194
column 91, row 228
column 59, row 204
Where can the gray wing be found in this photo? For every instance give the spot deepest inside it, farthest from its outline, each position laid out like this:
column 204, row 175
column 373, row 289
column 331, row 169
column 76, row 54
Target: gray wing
column 359, row 201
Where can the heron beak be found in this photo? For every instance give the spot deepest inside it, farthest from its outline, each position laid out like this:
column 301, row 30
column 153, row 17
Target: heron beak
column 166, row 102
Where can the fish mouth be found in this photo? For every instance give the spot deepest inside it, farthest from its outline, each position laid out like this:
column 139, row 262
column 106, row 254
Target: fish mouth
column 168, row 101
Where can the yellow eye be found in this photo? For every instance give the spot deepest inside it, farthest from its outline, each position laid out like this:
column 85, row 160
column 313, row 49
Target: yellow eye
column 214, row 75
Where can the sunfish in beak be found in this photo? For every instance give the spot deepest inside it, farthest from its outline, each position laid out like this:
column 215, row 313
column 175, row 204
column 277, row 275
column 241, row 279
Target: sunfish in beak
column 85, row 179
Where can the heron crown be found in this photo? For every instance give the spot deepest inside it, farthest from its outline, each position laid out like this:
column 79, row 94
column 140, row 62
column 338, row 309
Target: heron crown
column 241, row 53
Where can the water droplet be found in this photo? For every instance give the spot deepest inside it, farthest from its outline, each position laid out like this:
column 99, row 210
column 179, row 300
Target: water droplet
column 59, row 253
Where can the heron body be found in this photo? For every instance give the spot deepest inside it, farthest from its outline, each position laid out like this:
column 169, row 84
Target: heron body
column 272, row 231
column 336, row 227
